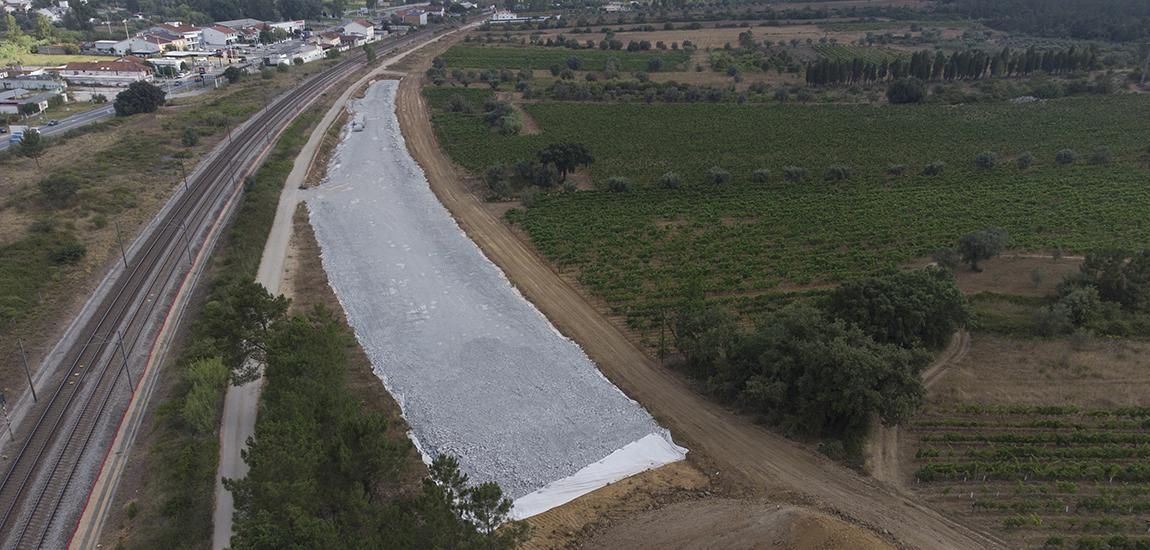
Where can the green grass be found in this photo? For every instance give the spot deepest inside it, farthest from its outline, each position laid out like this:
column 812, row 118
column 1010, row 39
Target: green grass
column 642, row 248
column 540, row 57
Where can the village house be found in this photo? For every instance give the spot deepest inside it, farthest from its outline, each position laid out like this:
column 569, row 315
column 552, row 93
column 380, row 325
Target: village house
column 361, row 27
column 219, row 36
column 415, row 18
column 191, row 35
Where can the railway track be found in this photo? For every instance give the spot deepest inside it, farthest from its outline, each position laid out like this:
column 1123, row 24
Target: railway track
column 99, row 364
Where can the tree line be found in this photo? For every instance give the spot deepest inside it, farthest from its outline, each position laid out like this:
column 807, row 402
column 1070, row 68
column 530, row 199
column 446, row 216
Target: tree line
column 959, row 65
column 1114, row 20
column 824, row 368
column 324, row 471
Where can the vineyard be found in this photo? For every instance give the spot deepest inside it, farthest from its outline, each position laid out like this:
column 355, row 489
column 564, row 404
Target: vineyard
column 540, row 57
column 1059, row 475
column 641, row 249
column 869, row 54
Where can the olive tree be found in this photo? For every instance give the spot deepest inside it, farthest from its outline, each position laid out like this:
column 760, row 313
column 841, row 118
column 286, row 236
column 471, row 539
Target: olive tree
column 982, row 245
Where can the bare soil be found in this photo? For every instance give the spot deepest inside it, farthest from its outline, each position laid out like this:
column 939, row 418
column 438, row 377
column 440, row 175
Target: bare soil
column 1101, row 373
column 744, row 454
column 1018, row 274
column 734, row 524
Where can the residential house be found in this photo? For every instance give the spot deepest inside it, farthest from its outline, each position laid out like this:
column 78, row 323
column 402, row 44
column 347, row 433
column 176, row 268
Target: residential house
column 11, row 6
column 504, row 16
column 329, row 39
column 119, row 73
column 291, row 27
column 361, row 27
column 148, row 45
column 219, row 36
column 191, row 35
column 415, row 18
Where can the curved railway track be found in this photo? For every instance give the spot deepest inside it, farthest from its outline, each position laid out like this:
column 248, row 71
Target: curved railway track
column 37, row 479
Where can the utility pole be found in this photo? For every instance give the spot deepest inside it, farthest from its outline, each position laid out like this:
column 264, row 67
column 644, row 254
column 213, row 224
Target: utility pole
column 124, row 355
column 28, row 373
column 120, row 238
column 184, row 171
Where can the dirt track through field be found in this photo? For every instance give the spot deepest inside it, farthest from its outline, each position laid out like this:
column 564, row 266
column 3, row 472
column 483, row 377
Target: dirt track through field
column 754, row 457
column 883, row 442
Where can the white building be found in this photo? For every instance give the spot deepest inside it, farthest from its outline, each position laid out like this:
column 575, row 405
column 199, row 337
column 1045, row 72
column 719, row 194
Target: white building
column 361, row 27
column 219, row 36
column 290, row 27
column 191, row 35
column 11, row 6
column 503, row 16
column 118, row 74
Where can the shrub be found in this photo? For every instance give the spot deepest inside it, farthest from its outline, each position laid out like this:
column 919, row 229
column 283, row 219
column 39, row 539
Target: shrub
column 946, row 258
column 529, row 196
column 267, row 74
column 933, row 169
column 234, row 75
column 69, row 253
column 297, row 61
column 1065, row 156
column 282, row 68
column 718, row 176
column 190, row 137
column 670, row 180
column 794, row 173
column 762, row 175
column 837, row 172
column 618, row 184
column 896, row 169
column 985, row 160
column 58, row 191
column 1024, row 161
column 906, row 90
column 1101, row 155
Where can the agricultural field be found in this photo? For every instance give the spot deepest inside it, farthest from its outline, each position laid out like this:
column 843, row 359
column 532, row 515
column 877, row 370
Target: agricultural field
column 1041, row 473
column 840, row 52
column 541, row 57
column 640, row 249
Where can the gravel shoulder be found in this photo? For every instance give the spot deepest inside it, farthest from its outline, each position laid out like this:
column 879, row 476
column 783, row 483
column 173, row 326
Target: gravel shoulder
column 744, row 452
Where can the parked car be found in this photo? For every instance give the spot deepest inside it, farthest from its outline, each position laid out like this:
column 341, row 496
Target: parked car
column 3, row 130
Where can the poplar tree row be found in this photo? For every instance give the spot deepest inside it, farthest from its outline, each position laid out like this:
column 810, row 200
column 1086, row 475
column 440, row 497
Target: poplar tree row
column 959, row 65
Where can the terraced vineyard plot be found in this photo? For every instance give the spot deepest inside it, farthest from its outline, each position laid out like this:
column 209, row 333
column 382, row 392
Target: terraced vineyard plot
column 541, row 57
column 1040, row 473
column 839, row 52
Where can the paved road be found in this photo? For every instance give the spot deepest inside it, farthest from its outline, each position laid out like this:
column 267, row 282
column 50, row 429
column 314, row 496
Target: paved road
column 80, row 120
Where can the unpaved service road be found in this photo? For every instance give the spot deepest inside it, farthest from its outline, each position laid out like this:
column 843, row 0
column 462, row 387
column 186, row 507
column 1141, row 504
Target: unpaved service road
column 757, row 457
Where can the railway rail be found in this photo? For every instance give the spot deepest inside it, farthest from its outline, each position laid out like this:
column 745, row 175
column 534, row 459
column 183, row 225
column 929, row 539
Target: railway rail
column 51, row 449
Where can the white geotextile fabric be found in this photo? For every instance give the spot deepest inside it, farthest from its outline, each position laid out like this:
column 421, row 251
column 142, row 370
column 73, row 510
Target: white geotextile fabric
column 477, row 370
column 649, row 452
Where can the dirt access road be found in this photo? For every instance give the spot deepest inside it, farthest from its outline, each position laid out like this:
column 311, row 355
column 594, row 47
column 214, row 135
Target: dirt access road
column 744, row 453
